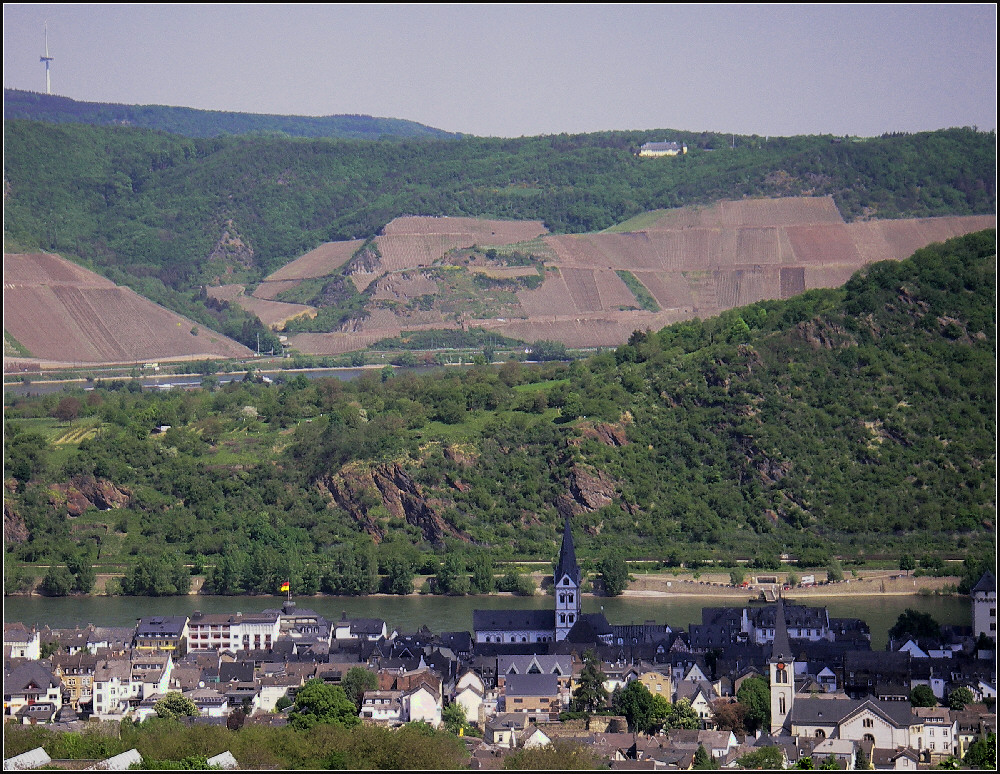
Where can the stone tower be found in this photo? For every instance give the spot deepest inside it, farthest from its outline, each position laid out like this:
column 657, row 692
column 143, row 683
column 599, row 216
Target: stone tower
column 567, row 586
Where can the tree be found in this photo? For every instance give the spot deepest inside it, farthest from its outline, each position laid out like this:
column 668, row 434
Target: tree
column 730, row 716
column 356, row 682
column 453, row 717
column 682, row 715
column 482, row 581
column 590, row 694
column 67, row 409
column 614, row 575
column 703, row 760
column 176, row 705
column 635, row 702
column 317, row 703
column 755, row 694
column 763, row 758
column 58, row 581
column 806, row 763
column 923, row 696
column 913, row 623
column 959, row 698
column 982, row 753
column 561, row 755
column 907, row 563
column 737, row 576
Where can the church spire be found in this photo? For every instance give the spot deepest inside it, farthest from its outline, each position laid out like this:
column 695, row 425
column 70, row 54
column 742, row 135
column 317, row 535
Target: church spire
column 781, row 648
column 567, row 558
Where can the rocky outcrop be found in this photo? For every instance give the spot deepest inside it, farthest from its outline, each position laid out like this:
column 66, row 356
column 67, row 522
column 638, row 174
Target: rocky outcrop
column 88, row 492
column 359, row 490
column 589, row 490
column 14, row 528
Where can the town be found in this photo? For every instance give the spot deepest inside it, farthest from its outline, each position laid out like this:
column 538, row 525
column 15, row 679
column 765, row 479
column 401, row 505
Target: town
column 761, row 686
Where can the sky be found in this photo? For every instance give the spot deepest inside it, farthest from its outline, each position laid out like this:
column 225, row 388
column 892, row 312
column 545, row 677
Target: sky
column 521, row 70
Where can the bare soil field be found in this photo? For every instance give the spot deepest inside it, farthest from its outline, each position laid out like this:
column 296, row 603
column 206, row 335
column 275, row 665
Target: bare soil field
column 62, row 313
column 696, row 262
column 324, row 260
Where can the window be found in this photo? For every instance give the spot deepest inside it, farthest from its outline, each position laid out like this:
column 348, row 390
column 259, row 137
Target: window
column 781, row 705
column 868, row 738
column 820, row 733
column 868, row 723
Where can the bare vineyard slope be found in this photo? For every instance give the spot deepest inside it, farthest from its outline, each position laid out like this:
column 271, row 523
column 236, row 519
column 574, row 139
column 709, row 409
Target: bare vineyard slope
column 693, row 261
column 62, row 313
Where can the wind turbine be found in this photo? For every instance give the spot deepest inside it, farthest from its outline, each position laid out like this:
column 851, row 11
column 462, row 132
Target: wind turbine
column 47, row 59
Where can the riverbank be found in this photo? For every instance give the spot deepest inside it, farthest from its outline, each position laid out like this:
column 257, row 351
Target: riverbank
column 664, row 585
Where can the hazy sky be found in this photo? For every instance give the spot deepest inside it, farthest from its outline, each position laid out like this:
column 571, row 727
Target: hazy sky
column 506, row 70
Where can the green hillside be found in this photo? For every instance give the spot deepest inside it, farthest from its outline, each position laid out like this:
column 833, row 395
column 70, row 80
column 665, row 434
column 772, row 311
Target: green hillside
column 161, row 213
column 189, row 122
column 848, row 423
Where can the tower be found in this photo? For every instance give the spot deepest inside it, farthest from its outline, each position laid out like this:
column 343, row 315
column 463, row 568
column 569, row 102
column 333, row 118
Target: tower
column 46, row 59
column 567, row 586
column 782, row 670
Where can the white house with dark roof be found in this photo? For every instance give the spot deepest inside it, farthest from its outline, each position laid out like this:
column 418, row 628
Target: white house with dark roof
column 886, row 724
column 21, row 642
column 657, row 149
column 984, row 607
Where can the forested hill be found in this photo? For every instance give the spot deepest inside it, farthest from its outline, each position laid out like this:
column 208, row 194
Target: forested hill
column 190, row 122
column 165, row 214
column 853, row 422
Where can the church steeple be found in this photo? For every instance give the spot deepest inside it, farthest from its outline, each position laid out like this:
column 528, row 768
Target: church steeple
column 782, row 668
column 567, row 586
column 567, row 557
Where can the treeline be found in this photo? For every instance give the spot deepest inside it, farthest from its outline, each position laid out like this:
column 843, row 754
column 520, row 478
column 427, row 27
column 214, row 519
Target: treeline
column 841, row 423
column 149, row 209
column 190, row 122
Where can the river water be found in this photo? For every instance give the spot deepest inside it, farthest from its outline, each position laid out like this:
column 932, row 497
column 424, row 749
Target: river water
column 441, row 614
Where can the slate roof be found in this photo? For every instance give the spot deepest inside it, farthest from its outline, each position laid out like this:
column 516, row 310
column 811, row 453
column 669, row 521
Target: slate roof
column 836, row 711
column 513, row 620
column 531, row 685
column 986, row 584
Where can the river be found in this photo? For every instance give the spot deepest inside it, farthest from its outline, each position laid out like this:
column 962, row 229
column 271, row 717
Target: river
column 441, row 614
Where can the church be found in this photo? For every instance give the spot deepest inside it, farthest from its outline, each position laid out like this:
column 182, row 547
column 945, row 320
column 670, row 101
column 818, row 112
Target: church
column 533, row 626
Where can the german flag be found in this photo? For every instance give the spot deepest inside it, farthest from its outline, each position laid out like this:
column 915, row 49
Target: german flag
column 286, row 586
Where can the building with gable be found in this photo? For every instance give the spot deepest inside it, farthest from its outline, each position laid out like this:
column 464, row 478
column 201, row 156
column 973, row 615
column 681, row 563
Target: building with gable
column 984, row 607
column 534, row 626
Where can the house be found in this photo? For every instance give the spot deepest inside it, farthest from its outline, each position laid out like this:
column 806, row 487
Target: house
column 658, row 683
column 21, row 642
column 984, row 607
column 161, row 632
column 28, row 684
column 470, row 692
column 422, row 704
column 224, row 760
column 233, row 632
column 76, row 673
column 940, row 732
column 536, row 695
column 657, row 149
column 210, row 702
column 151, row 672
column 383, row 707
column 113, row 687
column 501, row 730
column 364, row 629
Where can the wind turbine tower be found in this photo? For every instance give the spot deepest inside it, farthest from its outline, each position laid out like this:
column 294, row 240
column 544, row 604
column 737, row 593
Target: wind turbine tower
column 47, row 59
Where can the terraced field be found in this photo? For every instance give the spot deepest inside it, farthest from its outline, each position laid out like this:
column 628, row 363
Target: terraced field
column 62, row 313
column 695, row 262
